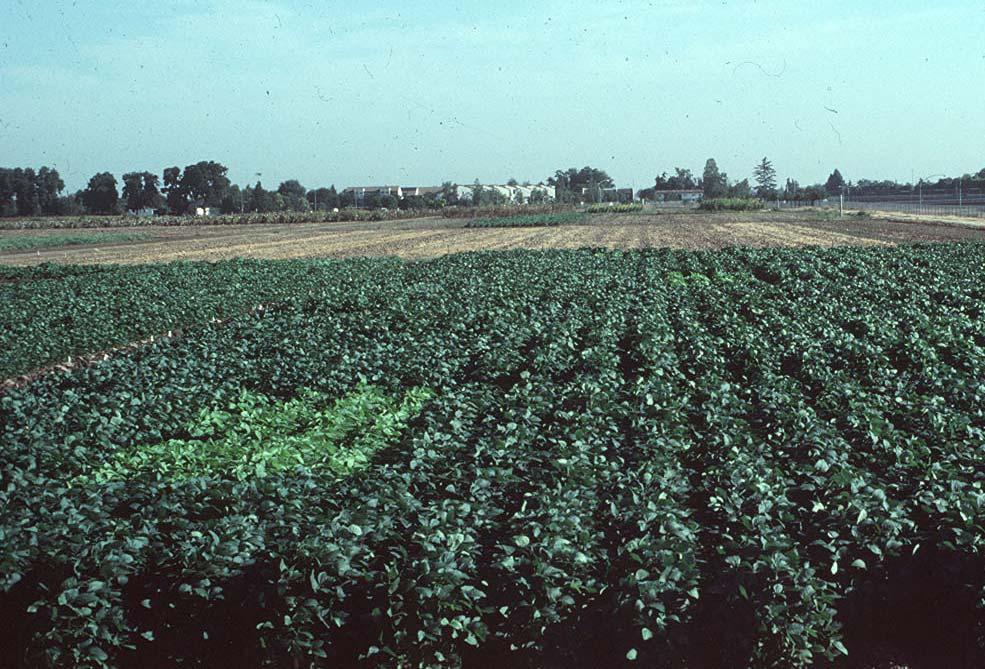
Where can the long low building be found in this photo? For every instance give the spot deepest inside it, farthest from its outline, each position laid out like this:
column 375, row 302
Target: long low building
column 516, row 194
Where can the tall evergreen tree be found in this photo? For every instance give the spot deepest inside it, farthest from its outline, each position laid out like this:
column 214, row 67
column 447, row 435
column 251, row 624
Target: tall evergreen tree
column 835, row 183
column 713, row 181
column 765, row 179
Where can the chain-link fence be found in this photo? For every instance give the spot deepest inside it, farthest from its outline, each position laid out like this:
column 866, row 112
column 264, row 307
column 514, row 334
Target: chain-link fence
column 928, row 201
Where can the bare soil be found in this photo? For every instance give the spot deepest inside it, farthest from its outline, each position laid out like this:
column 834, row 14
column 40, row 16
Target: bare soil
column 425, row 238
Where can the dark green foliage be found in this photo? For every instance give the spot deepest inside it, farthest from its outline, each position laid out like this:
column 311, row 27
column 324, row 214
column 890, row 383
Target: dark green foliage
column 56, row 313
column 101, row 196
column 24, row 192
column 746, row 458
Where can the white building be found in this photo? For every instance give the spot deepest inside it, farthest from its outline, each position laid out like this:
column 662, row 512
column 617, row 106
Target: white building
column 512, row 194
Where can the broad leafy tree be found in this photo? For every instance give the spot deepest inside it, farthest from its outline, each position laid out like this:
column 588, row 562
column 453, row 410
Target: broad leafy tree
column 175, row 195
column 574, row 185
column 740, row 189
column 294, row 195
column 101, row 196
column 48, row 185
column 324, row 199
column 140, row 191
column 205, row 181
column 682, row 179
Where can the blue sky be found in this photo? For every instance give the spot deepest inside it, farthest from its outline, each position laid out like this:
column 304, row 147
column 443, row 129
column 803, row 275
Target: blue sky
column 421, row 92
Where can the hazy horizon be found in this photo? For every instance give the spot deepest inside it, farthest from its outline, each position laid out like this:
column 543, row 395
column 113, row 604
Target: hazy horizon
column 420, row 93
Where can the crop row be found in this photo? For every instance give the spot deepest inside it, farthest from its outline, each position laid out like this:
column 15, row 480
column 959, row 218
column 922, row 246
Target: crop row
column 53, row 313
column 36, row 242
column 536, row 220
column 347, row 214
column 613, row 208
column 732, row 204
column 250, row 218
column 672, row 458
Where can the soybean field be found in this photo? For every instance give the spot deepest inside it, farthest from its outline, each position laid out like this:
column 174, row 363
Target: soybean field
column 562, row 458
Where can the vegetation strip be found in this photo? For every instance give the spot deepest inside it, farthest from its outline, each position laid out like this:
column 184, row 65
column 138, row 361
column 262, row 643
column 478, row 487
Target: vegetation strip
column 740, row 458
column 255, row 436
column 536, row 220
column 36, row 242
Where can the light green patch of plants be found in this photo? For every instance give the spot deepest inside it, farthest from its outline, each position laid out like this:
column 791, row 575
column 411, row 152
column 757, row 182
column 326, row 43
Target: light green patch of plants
column 255, row 436
column 613, row 208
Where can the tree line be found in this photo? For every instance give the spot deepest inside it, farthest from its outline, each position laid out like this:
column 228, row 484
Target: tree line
column 30, row 192
column 26, row 192
column 716, row 184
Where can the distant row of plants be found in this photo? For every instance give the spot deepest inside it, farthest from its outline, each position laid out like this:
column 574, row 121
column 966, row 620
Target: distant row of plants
column 613, row 208
column 348, row 214
column 250, row 218
column 506, row 210
column 48, row 241
column 531, row 221
column 732, row 204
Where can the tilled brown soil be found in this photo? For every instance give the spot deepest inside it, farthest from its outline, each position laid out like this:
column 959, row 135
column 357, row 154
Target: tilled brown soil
column 424, row 238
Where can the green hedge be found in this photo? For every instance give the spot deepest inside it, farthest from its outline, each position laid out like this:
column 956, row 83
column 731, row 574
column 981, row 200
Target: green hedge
column 732, row 204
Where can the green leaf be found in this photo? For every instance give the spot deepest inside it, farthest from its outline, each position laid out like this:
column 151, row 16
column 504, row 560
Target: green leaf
column 98, row 653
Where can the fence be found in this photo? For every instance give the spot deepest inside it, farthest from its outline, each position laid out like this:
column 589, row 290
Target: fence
column 930, row 201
